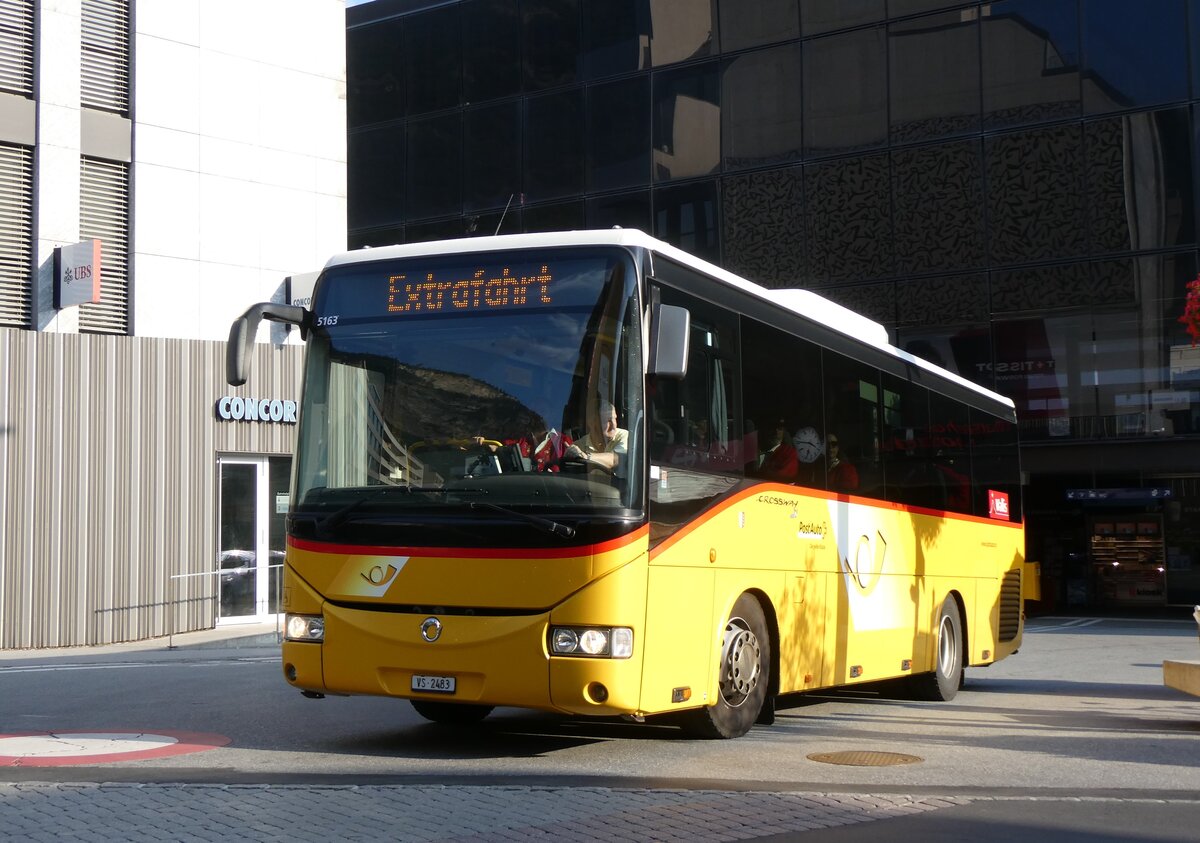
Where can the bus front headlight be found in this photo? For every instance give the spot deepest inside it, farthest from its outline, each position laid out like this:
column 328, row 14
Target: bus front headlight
column 305, row 628
column 593, row 641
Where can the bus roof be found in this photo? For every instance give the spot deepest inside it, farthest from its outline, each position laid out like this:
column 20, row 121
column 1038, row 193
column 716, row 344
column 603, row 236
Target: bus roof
column 803, row 303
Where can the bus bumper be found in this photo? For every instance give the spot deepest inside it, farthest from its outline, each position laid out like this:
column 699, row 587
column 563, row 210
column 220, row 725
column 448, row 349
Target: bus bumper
column 492, row 660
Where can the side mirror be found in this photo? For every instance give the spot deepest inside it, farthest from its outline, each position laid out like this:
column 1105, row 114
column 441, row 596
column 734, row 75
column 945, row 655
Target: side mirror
column 670, row 330
column 244, row 328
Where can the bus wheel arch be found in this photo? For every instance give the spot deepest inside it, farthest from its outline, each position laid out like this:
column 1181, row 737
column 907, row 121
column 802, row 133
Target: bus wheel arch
column 746, row 668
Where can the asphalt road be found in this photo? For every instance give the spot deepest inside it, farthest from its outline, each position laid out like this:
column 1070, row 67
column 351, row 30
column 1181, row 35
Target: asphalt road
column 1075, row 737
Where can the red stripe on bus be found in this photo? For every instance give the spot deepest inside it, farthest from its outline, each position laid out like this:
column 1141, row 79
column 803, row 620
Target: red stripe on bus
column 472, row 552
column 822, row 494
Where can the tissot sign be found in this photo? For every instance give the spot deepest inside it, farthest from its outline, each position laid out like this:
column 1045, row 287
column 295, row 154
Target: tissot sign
column 235, row 408
column 77, row 274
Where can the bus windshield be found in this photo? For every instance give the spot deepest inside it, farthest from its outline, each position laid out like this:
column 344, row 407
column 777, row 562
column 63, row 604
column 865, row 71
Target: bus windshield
column 499, row 385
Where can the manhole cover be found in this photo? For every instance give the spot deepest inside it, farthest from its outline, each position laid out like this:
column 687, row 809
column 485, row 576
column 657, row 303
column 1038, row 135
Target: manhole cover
column 860, row 758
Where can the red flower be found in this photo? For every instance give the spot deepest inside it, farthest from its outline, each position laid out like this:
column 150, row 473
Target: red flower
column 1191, row 310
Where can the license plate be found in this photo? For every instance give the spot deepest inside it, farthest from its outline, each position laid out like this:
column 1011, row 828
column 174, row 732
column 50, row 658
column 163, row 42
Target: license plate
column 433, row 684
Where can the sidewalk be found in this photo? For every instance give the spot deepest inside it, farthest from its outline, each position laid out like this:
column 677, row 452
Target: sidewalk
column 267, row 634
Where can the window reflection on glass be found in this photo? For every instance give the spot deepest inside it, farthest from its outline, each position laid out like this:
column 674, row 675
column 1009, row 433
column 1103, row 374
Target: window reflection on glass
column 1139, row 181
column 934, row 78
column 682, row 30
column 550, row 42
column 435, row 166
column 491, row 50
column 750, row 23
column 1030, row 61
column 616, row 37
column 761, row 115
column 554, row 126
column 627, row 210
column 845, row 92
column 817, row 16
column 686, row 216
column 1133, row 57
column 687, row 122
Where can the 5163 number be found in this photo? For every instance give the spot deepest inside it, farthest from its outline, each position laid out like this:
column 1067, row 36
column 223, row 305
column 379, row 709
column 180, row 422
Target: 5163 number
column 326, row 321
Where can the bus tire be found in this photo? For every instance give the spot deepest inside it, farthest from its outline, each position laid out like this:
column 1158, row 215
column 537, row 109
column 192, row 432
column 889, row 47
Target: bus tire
column 744, row 675
column 943, row 683
column 451, row 714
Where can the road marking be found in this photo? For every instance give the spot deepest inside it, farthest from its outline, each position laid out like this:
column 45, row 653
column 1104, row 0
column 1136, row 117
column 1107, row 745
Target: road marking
column 60, row 749
column 51, row 668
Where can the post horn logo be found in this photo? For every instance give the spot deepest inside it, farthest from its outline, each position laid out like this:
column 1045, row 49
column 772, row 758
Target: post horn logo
column 431, row 629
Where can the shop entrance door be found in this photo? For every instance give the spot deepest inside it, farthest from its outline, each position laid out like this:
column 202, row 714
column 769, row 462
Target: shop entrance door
column 250, row 545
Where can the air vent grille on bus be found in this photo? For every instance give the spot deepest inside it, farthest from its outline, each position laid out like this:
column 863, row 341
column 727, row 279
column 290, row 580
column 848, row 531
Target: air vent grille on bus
column 1010, row 606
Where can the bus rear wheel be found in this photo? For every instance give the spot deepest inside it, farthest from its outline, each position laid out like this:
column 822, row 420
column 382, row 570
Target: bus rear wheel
column 451, row 714
column 943, row 683
column 745, row 673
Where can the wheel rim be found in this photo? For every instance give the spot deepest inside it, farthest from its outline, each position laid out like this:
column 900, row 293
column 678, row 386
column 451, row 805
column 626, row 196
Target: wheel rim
column 741, row 658
column 947, row 647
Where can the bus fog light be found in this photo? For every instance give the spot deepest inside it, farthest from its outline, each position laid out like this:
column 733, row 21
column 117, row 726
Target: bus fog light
column 593, row 642
column 565, row 641
column 622, row 642
column 305, row 628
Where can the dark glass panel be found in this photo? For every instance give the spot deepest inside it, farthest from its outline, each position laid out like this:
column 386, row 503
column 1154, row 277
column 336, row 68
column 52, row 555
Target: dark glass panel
column 374, row 73
column 616, row 37
column 551, row 42
column 426, row 232
column 750, row 23
column 900, row 8
column 682, row 30
column 760, row 113
column 375, row 238
column 1035, row 194
column 848, row 219
column 626, row 210
column 938, row 196
column 433, row 60
column 817, row 16
column 934, row 64
column 1030, row 62
column 845, row 92
column 944, row 300
column 686, row 216
column 1139, row 181
column 619, row 134
column 503, row 221
column 762, row 222
column 491, row 50
column 1042, row 288
column 1134, row 55
column 874, row 301
column 561, row 216
column 435, row 167
column 375, row 177
column 492, row 155
column 554, row 145
column 687, row 122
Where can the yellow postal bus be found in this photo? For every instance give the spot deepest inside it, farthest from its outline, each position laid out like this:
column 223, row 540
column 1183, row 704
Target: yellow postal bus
column 588, row 473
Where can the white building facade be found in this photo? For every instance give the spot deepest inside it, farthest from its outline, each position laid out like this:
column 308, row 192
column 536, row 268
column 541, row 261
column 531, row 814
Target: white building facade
column 202, row 142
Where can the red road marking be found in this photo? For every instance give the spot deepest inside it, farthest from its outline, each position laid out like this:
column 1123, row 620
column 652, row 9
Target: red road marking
column 53, row 748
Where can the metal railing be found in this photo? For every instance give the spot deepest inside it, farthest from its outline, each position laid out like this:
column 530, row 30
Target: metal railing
column 174, row 603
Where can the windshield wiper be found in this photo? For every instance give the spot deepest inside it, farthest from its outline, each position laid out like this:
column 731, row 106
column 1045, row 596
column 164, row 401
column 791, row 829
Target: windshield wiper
column 552, row 527
column 339, row 516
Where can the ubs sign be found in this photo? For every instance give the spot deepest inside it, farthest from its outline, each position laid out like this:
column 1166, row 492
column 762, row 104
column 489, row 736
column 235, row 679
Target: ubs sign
column 233, row 408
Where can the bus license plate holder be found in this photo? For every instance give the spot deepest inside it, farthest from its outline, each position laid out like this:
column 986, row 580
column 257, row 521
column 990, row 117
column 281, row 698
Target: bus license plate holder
column 427, row 684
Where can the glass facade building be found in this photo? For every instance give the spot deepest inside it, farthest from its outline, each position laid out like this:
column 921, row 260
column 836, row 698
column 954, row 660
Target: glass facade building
column 1009, row 186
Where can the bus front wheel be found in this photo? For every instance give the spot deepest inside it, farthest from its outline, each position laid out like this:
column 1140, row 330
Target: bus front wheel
column 943, row 683
column 745, row 672
column 451, row 714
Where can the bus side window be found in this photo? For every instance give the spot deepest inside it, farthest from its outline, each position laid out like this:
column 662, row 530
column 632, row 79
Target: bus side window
column 909, row 474
column 852, row 426
column 950, row 440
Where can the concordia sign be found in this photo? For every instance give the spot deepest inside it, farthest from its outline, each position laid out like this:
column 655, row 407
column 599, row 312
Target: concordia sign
column 232, row 408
